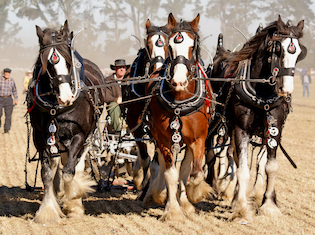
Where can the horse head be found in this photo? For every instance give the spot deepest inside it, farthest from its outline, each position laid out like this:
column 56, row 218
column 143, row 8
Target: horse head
column 184, row 52
column 157, row 44
column 289, row 49
column 56, row 61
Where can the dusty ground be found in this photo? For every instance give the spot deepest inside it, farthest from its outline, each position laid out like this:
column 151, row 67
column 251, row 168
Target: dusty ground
column 118, row 211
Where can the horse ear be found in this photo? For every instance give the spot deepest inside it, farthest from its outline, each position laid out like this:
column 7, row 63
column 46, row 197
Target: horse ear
column 147, row 24
column 65, row 30
column 39, row 32
column 195, row 22
column 281, row 25
column 171, row 21
column 300, row 25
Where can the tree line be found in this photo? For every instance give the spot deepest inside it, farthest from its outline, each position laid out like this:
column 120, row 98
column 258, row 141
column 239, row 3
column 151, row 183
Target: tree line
column 109, row 23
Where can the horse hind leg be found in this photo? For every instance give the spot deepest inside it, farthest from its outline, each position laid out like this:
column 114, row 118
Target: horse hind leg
column 141, row 173
column 79, row 186
column 157, row 188
column 242, row 212
column 226, row 179
column 49, row 210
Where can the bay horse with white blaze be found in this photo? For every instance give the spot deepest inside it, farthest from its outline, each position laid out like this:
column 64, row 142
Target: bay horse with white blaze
column 62, row 116
column 180, row 119
column 150, row 58
column 258, row 105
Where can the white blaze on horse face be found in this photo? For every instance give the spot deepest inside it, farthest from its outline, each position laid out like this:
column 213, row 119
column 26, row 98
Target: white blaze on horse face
column 158, row 51
column 289, row 61
column 65, row 96
column 180, row 70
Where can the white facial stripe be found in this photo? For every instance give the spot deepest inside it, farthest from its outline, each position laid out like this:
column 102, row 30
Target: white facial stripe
column 180, row 70
column 183, row 47
column 158, row 51
column 61, row 66
column 289, row 61
column 65, row 93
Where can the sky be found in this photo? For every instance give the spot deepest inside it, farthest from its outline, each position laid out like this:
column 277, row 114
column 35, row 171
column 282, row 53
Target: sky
column 29, row 37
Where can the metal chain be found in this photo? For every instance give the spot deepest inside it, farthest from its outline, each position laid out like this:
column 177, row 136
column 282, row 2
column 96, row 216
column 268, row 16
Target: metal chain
column 222, row 118
column 96, row 109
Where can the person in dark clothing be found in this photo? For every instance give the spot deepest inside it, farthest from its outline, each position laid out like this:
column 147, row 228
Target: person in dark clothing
column 113, row 95
column 7, row 90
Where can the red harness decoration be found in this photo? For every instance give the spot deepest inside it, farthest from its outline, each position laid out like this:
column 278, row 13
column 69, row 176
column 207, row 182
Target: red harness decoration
column 208, row 88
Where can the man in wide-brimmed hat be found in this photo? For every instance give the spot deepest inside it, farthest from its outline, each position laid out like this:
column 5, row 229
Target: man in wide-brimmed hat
column 113, row 95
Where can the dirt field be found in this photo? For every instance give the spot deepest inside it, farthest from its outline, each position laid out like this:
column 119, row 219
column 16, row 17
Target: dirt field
column 118, row 212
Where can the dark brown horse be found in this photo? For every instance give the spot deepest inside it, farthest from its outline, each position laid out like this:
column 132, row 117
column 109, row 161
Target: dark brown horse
column 150, row 58
column 62, row 117
column 259, row 105
column 180, row 119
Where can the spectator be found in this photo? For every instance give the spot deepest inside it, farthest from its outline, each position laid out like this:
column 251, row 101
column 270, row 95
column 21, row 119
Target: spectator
column 26, row 81
column 7, row 90
column 306, row 80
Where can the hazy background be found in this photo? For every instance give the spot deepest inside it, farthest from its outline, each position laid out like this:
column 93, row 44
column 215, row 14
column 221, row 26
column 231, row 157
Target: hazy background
column 110, row 24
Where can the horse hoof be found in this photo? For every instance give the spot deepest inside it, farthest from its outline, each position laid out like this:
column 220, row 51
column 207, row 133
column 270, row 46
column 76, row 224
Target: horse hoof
column 173, row 215
column 241, row 221
column 67, row 177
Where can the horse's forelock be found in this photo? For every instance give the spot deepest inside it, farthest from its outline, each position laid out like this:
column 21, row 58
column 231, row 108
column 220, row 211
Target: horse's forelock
column 184, row 25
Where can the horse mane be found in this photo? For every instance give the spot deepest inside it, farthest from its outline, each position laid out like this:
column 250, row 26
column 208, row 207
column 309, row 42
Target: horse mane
column 258, row 42
column 45, row 45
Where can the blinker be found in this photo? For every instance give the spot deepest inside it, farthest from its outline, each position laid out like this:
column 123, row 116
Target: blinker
column 178, row 38
column 159, row 42
column 54, row 59
column 291, row 47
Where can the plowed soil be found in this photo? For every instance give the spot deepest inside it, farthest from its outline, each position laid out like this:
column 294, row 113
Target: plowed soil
column 118, row 211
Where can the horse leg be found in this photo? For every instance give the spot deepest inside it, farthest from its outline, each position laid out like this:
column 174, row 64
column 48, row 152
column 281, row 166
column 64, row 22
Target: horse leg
column 185, row 170
column 228, row 180
column 258, row 190
column 197, row 188
column 210, row 161
column 80, row 183
column 49, row 210
column 172, row 209
column 157, row 190
column 269, row 206
column 141, row 172
column 241, row 211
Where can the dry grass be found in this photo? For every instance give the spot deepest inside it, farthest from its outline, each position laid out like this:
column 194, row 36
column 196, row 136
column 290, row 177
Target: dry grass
column 118, row 212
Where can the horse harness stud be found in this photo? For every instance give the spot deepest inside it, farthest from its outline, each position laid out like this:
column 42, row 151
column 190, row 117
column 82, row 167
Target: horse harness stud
column 51, row 141
column 176, row 137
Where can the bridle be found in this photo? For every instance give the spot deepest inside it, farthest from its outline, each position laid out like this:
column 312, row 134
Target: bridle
column 158, row 43
column 76, row 76
column 274, row 47
column 247, row 93
column 180, row 59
